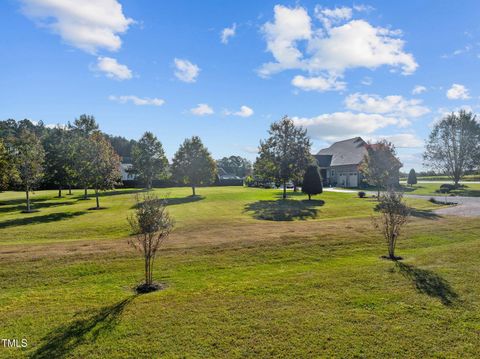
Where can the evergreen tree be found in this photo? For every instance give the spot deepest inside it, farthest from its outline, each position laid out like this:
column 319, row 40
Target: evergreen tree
column 193, row 164
column 312, row 181
column 7, row 171
column 148, row 159
column 412, row 177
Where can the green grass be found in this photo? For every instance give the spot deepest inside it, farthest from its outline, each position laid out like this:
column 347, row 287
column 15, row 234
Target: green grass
column 306, row 286
column 69, row 218
column 430, row 189
column 465, row 178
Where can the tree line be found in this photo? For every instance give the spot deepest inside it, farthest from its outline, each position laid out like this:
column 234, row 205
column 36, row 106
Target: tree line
column 79, row 155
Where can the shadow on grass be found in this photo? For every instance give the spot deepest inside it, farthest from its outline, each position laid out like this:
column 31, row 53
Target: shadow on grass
column 53, row 217
column 284, row 209
column 424, row 214
column 180, row 200
column 62, row 340
column 91, row 194
column 429, row 283
column 34, row 204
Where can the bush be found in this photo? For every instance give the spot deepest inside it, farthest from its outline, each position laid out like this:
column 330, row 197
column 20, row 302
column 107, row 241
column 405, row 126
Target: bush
column 362, row 194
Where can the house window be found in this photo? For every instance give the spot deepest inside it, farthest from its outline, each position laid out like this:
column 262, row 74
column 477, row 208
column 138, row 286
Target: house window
column 333, row 172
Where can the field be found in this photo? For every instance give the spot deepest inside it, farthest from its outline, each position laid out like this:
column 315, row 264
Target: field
column 247, row 275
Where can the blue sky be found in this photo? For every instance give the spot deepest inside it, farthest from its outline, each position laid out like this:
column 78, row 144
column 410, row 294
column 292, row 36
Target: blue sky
column 341, row 69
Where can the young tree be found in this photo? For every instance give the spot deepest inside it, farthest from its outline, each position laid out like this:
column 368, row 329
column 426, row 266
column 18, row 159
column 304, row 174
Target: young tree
column 193, row 164
column 151, row 225
column 29, row 157
column 148, row 159
column 7, row 172
column 236, row 165
column 380, row 165
column 454, row 145
column 412, row 177
column 105, row 165
column 59, row 158
column 312, row 181
column 285, row 154
column 394, row 213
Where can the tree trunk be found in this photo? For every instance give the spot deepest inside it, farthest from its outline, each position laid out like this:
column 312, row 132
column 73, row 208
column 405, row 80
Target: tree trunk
column 59, row 191
column 147, row 273
column 309, row 197
column 96, row 197
column 284, row 189
column 193, row 191
column 85, row 195
column 69, row 189
column 28, row 199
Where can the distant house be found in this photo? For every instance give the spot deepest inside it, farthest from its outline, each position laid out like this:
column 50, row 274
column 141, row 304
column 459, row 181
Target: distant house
column 124, row 170
column 340, row 163
column 227, row 179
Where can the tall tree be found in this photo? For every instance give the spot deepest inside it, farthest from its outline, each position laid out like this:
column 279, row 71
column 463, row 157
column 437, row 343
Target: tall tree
column 412, row 177
column 193, row 165
column 82, row 128
column 454, row 145
column 236, row 165
column 381, row 165
column 151, row 225
column 285, row 155
column 58, row 160
column 312, row 181
column 105, row 165
column 6, row 166
column 29, row 159
column 148, row 159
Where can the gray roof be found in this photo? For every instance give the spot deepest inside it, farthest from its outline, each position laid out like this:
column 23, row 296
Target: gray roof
column 347, row 152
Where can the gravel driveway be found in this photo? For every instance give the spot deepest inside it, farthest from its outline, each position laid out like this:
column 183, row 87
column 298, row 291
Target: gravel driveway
column 466, row 206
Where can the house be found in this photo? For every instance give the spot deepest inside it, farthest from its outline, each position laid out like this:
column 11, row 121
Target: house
column 227, row 179
column 125, row 172
column 340, row 163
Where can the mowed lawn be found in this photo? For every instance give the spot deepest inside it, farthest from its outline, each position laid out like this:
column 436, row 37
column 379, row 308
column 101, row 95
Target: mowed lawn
column 430, row 189
column 246, row 275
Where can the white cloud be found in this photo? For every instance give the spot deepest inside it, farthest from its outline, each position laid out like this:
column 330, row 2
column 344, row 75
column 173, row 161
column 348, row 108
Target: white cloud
column 418, row 90
column 88, row 24
column 458, row 92
column 245, row 111
column 393, row 105
column 113, row 69
column 367, row 81
column 202, row 109
column 318, row 83
column 227, row 33
column 146, row 101
column 340, row 125
column 401, row 140
column 185, row 70
column 332, row 16
column 331, row 50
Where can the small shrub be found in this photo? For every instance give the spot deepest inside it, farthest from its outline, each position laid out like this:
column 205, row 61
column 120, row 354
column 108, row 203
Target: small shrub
column 362, row 194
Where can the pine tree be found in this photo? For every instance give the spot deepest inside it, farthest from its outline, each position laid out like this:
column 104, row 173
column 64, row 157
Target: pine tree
column 148, row 157
column 412, row 177
column 312, row 182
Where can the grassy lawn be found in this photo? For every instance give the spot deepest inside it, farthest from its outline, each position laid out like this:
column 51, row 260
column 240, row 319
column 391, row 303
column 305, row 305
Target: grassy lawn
column 69, row 218
column 246, row 276
column 430, row 189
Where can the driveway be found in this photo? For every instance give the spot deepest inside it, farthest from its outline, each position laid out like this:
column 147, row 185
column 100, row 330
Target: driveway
column 466, row 206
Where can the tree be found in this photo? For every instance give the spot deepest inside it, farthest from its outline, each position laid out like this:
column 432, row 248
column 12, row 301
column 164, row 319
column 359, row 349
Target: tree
column 394, row 213
column 105, row 164
column 148, row 159
column 454, row 145
column 285, row 155
column 151, row 225
column 58, row 160
column 380, row 165
column 82, row 128
column 6, row 166
column 312, row 181
column 29, row 157
column 236, row 165
column 193, row 165
column 412, row 177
